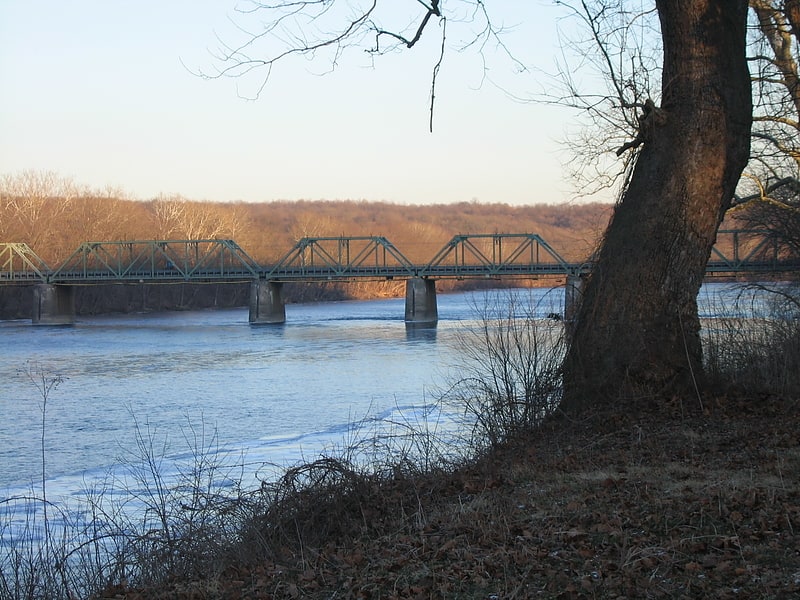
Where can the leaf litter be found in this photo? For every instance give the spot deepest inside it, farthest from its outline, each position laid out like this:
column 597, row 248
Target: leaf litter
column 653, row 503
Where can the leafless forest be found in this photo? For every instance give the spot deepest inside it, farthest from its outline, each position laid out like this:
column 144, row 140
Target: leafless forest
column 48, row 214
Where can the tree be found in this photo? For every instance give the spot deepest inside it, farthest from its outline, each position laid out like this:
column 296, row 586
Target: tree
column 616, row 46
column 637, row 330
column 175, row 217
column 774, row 55
column 34, row 205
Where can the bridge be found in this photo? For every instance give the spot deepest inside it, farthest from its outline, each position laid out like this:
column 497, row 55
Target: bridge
column 484, row 256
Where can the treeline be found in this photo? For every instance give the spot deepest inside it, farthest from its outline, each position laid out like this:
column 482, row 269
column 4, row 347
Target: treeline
column 53, row 217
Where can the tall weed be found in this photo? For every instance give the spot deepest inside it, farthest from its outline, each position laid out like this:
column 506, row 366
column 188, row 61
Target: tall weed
column 163, row 516
column 145, row 523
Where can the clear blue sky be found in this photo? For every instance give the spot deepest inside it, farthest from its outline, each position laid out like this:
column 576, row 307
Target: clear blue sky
column 102, row 91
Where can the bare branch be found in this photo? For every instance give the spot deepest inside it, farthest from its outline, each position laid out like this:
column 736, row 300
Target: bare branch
column 774, row 169
column 436, row 68
column 433, row 10
column 608, row 76
column 324, row 30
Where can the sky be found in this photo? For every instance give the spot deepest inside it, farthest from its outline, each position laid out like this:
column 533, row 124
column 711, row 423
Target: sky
column 107, row 92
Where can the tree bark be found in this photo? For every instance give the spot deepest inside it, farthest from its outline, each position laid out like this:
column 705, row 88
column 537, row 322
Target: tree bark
column 637, row 333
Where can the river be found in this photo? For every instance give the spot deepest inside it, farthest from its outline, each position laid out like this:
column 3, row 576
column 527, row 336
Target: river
column 292, row 387
column 272, row 394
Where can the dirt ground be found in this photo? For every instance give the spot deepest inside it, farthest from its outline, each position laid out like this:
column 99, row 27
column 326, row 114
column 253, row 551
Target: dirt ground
column 680, row 502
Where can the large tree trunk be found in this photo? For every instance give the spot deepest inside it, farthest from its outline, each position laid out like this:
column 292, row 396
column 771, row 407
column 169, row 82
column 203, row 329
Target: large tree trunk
column 637, row 332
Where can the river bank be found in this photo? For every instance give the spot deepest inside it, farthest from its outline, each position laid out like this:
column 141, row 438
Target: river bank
column 680, row 502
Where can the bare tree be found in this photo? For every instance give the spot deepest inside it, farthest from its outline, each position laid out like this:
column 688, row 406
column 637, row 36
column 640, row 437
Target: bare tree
column 770, row 193
column 608, row 74
column 167, row 214
column 202, row 221
column 175, row 217
column 97, row 218
column 637, row 332
column 774, row 56
column 33, row 205
column 309, row 224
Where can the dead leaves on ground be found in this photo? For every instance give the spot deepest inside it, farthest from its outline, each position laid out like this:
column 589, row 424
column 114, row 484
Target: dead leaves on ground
column 706, row 507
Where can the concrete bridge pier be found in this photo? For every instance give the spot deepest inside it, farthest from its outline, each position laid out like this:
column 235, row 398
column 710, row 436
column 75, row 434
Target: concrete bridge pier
column 53, row 304
column 266, row 303
column 421, row 301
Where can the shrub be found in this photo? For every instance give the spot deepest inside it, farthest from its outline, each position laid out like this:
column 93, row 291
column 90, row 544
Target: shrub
column 509, row 378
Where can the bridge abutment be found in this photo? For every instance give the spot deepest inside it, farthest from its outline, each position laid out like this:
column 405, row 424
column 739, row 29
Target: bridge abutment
column 421, row 301
column 53, row 304
column 266, row 303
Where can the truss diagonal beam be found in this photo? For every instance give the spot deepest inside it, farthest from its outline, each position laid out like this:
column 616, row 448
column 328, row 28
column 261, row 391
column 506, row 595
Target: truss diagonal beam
column 341, row 257
column 496, row 255
column 19, row 263
column 743, row 249
column 161, row 260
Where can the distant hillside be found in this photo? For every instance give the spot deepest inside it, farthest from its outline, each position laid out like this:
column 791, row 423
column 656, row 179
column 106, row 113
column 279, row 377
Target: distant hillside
column 55, row 226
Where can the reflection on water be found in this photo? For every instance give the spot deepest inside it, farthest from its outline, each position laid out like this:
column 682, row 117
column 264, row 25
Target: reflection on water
column 421, row 332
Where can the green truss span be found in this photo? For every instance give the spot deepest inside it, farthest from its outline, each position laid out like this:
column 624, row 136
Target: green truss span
column 346, row 258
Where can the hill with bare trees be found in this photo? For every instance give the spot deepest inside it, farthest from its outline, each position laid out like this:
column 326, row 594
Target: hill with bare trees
column 54, row 216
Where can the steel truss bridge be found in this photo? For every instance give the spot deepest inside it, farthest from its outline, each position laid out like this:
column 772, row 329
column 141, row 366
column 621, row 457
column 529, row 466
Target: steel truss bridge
column 345, row 258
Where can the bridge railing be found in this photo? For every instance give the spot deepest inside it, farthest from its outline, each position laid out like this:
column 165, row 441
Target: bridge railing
column 156, row 260
column 742, row 250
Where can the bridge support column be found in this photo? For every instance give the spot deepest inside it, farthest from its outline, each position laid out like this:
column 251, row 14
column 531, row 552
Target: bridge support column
column 421, row 301
column 266, row 303
column 573, row 293
column 53, row 304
